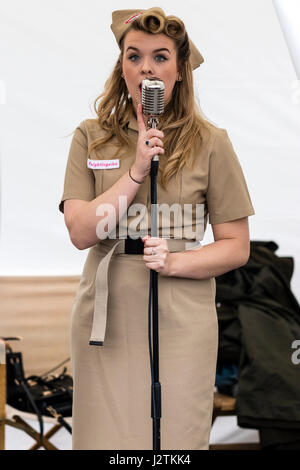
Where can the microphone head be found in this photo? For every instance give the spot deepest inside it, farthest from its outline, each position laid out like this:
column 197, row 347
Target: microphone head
column 153, row 93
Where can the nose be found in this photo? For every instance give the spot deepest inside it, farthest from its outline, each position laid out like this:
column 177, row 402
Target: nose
column 146, row 67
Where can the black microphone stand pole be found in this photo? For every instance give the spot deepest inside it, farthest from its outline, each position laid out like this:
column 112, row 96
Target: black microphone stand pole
column 156, row 387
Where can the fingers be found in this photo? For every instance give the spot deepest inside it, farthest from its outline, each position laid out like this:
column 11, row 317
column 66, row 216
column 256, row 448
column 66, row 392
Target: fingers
column 156, row 145
column 150, row 251
column 155, row 142
column 156, row 254
column 151, row 241
column 145, row 153
column 154, row 133
column 155, row 151
column 141, row 125
column 155, row 243
column 149, row 246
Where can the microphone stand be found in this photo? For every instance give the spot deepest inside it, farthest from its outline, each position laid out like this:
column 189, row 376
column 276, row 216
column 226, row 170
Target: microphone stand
column 155, row 386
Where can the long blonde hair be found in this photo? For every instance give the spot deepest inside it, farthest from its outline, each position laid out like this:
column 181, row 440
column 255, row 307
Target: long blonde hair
column 181, row 122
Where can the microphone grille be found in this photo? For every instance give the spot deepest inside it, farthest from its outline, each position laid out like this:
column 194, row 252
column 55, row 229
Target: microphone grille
column 153, row 92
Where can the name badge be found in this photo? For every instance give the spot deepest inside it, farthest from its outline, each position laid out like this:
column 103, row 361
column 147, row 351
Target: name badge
column 103, row 164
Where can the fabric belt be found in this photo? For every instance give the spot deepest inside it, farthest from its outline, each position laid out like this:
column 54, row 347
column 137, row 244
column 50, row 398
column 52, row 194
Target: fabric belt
column 125, row 246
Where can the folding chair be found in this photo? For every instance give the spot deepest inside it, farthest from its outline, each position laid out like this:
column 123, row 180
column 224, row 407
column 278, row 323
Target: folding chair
column 20, row 421
column 13, row 417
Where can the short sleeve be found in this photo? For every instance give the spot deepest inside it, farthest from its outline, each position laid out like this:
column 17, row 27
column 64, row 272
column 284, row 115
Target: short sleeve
column 79, row 179
column 227, row 194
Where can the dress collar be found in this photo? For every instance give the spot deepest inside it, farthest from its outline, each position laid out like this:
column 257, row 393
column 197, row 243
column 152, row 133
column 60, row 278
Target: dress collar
column 132, row 124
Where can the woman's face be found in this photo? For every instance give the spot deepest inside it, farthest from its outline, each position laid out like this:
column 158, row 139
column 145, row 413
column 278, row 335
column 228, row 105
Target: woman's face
column 145, row 56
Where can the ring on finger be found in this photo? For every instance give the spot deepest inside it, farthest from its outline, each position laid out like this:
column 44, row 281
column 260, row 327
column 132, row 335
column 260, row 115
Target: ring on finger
column 147, row 142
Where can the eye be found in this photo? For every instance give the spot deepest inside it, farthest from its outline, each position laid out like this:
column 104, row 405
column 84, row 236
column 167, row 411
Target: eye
column 132, row 57
column 158, row 58
column 162, row 58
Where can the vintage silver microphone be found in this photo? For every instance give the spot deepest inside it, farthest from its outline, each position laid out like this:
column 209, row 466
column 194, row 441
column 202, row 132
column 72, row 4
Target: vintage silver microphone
column 153, row 94
column 153, row 91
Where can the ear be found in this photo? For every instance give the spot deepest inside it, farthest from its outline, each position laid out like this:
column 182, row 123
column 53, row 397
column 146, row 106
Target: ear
column 179, row 73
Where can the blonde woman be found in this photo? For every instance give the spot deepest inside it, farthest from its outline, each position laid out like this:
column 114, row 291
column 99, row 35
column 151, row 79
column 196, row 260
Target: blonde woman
column 108, row 168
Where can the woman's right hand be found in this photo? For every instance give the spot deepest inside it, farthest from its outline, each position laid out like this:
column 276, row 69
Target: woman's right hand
column 144, row 153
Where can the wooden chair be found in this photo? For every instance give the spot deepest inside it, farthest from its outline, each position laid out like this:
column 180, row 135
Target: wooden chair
column 224, row 405
column 16, row 420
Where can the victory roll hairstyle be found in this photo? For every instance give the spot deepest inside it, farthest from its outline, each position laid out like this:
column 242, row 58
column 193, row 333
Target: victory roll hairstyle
column 181, row 122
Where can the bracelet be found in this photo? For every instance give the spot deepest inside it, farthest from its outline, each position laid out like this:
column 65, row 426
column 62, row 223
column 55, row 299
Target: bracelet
column 138, row 182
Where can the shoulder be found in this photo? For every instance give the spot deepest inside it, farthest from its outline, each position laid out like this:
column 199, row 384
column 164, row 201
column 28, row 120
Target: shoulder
column 212, row 134
column 91, row 129
column 217, row 140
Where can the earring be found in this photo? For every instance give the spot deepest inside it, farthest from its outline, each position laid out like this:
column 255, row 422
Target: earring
column 179, row 78
column 122, row 75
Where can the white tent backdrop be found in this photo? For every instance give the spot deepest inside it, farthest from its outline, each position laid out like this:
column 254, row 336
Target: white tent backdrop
column 55, row 58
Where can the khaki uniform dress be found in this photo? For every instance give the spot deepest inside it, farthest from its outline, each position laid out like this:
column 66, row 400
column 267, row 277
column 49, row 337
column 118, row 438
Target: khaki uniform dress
column 112, row 382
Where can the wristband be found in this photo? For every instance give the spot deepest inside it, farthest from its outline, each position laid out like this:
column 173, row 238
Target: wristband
column 138, row 182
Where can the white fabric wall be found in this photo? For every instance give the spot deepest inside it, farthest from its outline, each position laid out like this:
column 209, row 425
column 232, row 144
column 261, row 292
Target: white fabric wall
column 55, row 58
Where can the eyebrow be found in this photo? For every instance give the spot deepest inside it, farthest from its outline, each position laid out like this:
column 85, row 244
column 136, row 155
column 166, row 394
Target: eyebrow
column 156, row 50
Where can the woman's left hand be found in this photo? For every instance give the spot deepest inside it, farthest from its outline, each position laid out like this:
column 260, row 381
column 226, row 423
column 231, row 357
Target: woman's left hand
column 157, row 255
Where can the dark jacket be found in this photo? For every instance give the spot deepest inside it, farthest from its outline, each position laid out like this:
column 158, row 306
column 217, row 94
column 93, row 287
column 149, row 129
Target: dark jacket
column 259, row 318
